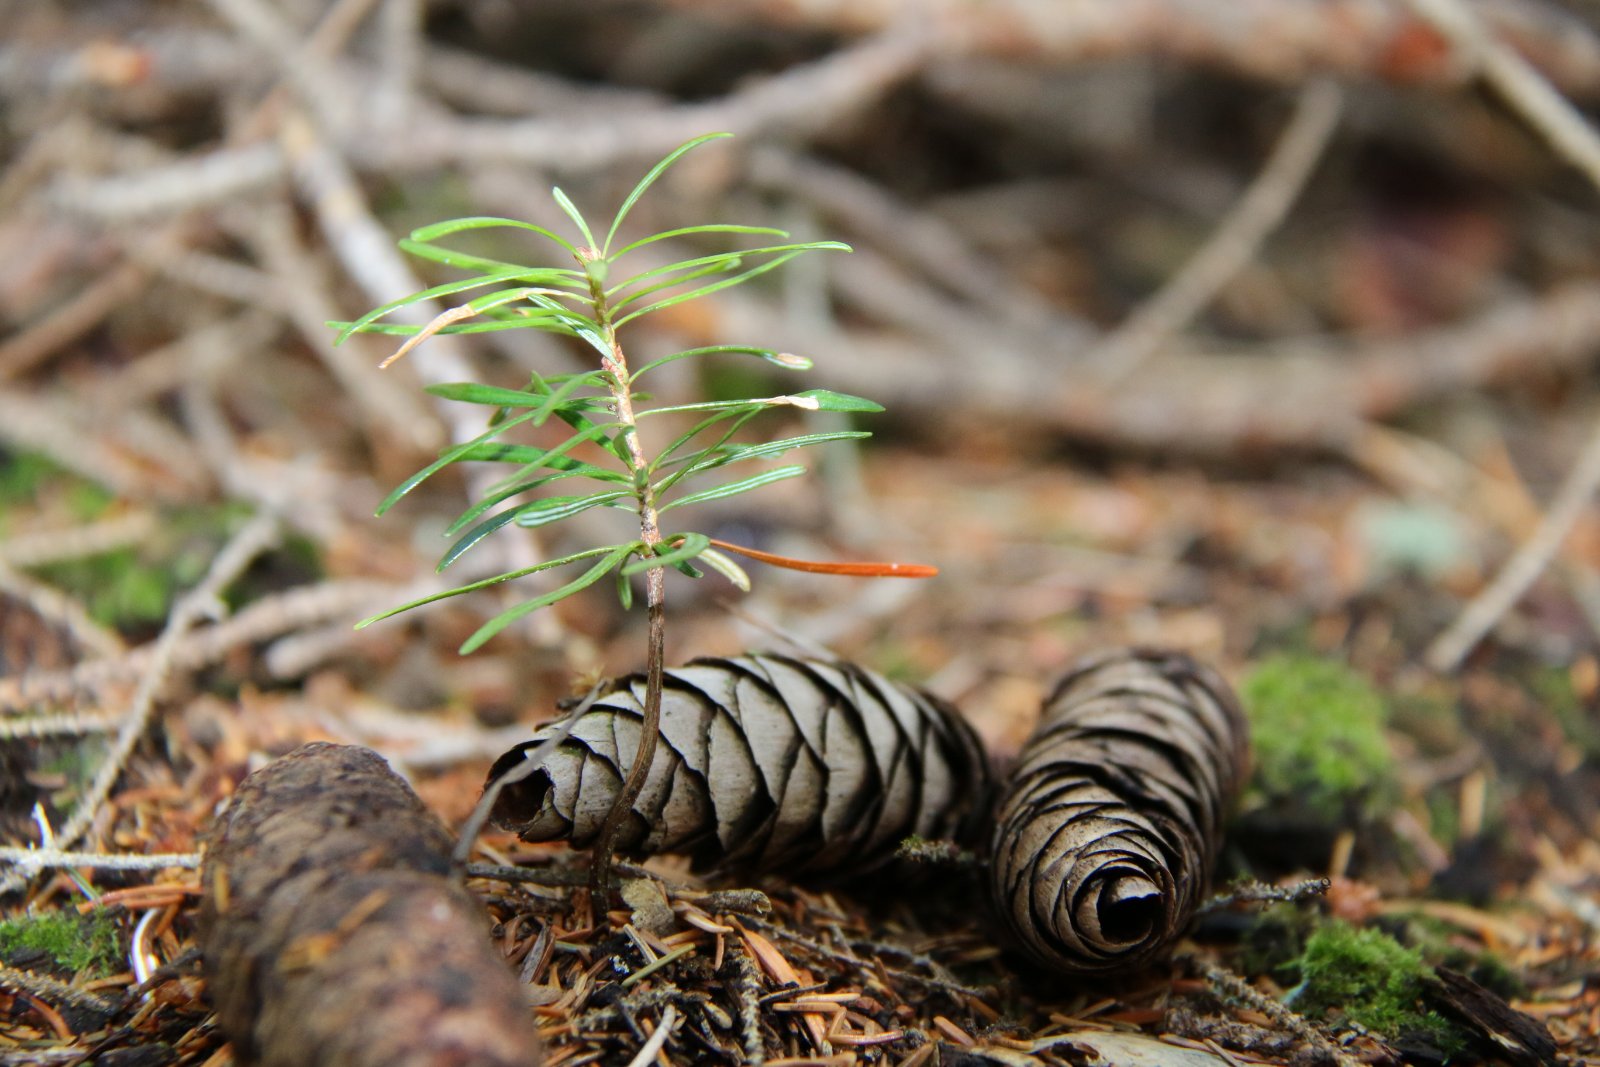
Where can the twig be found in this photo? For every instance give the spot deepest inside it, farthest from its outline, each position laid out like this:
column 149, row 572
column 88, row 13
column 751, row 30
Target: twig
column 1312, row 395
column 1275, row 40
column 1230, row 984
column 658, row 1040
column 920, row 238
column 1253, row 892
column 1525, row 565
column 255, row 537
column 1234, row 241
column 22, row 351
column 39, row 424
column 195, row 182
column 384, row 399
column 1575, row 140
column 47, row 988
column 531, row 761
column 747, row 997
column 52, row 604
column 266, row 618
column 96, row 538
column 400, row 29
column 1528, row 92
column 31, row 860
column 474, row 82
column 65, row 724
column 801, row 100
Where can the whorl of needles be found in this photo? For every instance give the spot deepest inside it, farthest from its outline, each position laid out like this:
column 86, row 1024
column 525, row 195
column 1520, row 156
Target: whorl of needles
column 766, row 763
column 1109, row 825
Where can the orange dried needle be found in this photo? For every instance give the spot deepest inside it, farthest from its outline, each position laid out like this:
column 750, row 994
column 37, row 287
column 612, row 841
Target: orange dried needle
column 859, row 569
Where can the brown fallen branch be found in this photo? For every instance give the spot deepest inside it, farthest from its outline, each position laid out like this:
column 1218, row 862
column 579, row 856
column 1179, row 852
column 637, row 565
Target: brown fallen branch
column 802, row 100
column 1303, row 396
column 1275, row 40
column 264, row 619
column 1233, row 243
column 255, row 537
column 332, row 934
column 1575, row 140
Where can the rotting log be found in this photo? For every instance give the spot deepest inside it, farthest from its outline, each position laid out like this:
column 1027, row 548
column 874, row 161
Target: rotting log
column 333, row 934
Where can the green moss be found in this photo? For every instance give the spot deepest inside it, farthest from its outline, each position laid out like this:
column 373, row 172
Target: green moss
column 120, row 588
column 27, row 477
column 1317, row 729
column 1369, row 978
column 76, row 943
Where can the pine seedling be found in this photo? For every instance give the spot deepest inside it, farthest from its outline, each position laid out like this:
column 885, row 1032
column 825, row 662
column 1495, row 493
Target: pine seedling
column 605, row 407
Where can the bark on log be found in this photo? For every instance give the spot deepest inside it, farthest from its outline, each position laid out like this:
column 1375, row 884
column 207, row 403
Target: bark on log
column 1108, row 827
column 333, row 934
column 766, row 763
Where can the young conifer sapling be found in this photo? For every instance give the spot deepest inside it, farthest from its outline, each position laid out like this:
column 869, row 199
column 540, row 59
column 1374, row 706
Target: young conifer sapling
column 591, row 301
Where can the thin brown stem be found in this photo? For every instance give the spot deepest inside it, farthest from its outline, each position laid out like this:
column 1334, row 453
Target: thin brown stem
column 616, row 366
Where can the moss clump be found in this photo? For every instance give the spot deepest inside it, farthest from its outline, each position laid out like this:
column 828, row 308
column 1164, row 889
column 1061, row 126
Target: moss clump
column 1317, row 729
column 1371, row 979
column 75, row 943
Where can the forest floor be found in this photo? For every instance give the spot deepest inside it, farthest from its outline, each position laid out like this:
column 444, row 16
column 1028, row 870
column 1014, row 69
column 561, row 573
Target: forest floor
column 1306, row 458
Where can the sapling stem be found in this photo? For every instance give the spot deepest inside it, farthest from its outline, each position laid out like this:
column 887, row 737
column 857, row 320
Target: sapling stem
column 619, row 381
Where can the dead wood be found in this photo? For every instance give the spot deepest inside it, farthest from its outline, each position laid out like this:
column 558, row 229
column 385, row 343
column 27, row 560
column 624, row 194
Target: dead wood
column 1270, row 39
column 332, row 933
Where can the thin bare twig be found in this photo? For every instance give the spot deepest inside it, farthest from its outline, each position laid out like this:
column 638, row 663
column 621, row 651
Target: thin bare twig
column 658, row 1040
column 255, row 537
column 1275, row 40
column 40, row 424
column 1525, row 565
column 1576, row 141
column 264, row 619
column 384, row 399
column 1528, row 92
column 31, row 860
column 61, row 326
column 49, row 989
column 51, row 603
column 96, row 538
column 1234, row 241
column 1229, row 984
column 64, row 724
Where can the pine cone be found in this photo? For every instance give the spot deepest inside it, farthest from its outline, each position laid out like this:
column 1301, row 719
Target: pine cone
column 766, row 763
column 1107, row 831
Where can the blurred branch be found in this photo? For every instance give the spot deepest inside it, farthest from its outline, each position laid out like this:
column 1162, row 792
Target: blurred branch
column 254, row 538
column 1575, row 140
column 798, row 101
column 1232, row 243
column 1275, row 40
column 90, row 539
column 1309, row 396
column 270, row 617
column 53, row 605
column 917, row 237
column 59, row 430
column 62, row 325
